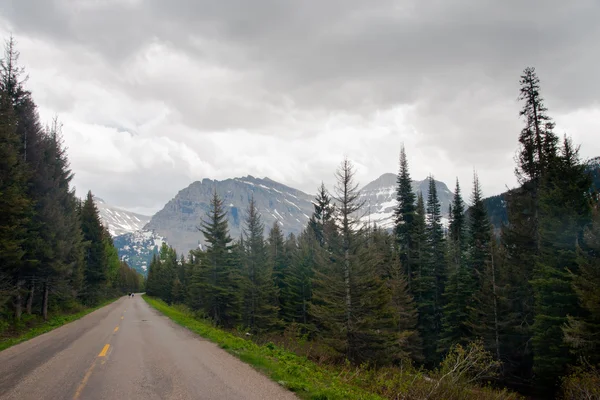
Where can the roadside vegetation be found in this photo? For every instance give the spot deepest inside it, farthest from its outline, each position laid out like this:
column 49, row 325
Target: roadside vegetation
column 305, row 368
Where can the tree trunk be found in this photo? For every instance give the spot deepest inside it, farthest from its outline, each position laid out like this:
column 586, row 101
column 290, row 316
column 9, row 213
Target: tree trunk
column 496, row 333
column 30, row 296
column 45, row 302
column 19, row 300
column 348, row 299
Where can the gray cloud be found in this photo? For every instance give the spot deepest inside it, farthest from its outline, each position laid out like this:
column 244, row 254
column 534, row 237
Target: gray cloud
column 237, row 76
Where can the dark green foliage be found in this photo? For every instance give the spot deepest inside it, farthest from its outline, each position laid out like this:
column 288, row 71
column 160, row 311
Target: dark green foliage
column 96, row 272
column 15, row 206
column 581, row 332
column 564, row 212
column 538, row 143
column 351, row 303
column 322, row 218
column 460, row 285
column 389, row 268
column 278, row 263
column 429, row 285
column 260, row 294
column 298, row 280
column 54, row 252
column 215, row 280
column 405, row 216
column 484, row 262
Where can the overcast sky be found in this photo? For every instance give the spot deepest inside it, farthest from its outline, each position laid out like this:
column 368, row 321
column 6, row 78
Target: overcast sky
column 156, row 94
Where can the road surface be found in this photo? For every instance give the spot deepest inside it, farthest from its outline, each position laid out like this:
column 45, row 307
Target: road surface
column 128, row 350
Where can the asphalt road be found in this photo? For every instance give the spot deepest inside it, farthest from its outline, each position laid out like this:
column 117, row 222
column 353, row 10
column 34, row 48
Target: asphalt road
column 127, row 350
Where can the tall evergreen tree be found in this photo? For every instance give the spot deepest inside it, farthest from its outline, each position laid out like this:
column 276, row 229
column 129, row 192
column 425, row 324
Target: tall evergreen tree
column 15, row 206
column 278, row 263
column 382, row 247
column 521, row 237
column 298, row 279
column 581, row 331
column 349, row 300
column 405, row 216
column 217, row 277
column 432, row 277
column 459, row 288
column 260, row 299
column 95, row 272
column 321, row 221
column 564, row 212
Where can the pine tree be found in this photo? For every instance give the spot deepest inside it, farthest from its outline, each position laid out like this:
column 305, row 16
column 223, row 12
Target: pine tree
column 581, row 331
column 405, row 216
column 350, row 302
column 459, row 288
column 321, row 221
column 217, row 278
column 15, row 206
column 298, row 279
column 390, row 269
column 260, row 299
column 278, row 263
column 564, row 212
column 480, row 234
column 538, row 143
column 521, row 237
column 95, row 273
column 484, row 260
column 431, row 280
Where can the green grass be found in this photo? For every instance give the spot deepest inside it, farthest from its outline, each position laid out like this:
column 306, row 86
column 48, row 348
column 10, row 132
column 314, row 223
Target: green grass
column 52, row 323
column 298, row 374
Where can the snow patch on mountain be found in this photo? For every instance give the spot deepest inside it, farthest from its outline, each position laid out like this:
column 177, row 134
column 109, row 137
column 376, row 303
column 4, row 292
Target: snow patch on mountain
column 119, row 221
column 137, row 248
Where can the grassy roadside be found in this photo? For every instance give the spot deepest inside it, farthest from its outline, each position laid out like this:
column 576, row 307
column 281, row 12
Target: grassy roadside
column 49, row 325
column 307, row 379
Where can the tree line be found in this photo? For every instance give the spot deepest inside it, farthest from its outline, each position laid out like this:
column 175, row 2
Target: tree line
column 55, row 254
column 529, row 292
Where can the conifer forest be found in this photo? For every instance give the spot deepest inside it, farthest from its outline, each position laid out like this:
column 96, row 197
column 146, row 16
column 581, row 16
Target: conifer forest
column 526, row 295
column 55, row 255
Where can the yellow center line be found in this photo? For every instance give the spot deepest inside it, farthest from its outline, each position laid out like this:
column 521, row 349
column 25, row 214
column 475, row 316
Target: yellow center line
column 104, row 350
column 84, row 381
column 116, row 329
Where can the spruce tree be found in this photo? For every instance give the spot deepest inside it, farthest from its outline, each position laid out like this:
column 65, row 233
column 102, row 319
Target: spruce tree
column 564, row 212
column 15, row 206
column 95, row 272
column 382, row 247
column 350, row 302
column 479, row 234
column 581, row 331
column 521, row 237
column 217, row 278
column 432, row 277
column 322, row 218
column 459, row 288
column 405, row 216
column 298, row 279
column 260, row 298
column 485, row 259
column 278, row 263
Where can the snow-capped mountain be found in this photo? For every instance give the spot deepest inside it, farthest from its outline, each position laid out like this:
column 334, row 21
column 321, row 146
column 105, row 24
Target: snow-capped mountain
column 119, row 221
column 179, row 220
column 380, row 201
column 136, row 248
